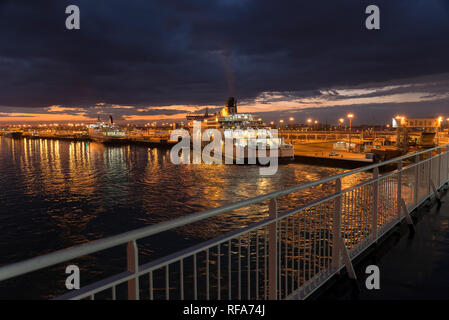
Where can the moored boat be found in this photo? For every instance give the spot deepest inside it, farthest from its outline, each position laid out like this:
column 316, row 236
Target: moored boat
column 249, row 135
column 106, row 132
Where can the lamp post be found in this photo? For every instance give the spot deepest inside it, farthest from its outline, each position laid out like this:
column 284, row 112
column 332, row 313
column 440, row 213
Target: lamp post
column 291, row 119
column 440, row 125
column 309, row 121
column 350, row 116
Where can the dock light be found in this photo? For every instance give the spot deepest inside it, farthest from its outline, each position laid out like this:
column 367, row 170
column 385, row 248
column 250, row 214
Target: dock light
column 292, row 119
column 350, row 116
column 272, row 122
column 341, row 120
column 281, row 121
column 309, row 120
column 316, row 121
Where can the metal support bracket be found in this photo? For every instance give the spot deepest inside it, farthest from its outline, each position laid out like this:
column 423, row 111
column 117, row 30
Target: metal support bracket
column 435, row 192
column 347, row 260
column 408, row 218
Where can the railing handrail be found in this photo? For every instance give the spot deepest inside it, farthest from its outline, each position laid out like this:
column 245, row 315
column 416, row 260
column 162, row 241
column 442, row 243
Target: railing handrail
column 40, row 262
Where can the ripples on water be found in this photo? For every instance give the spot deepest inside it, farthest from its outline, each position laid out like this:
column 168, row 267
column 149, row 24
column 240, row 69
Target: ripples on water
column 55, row 194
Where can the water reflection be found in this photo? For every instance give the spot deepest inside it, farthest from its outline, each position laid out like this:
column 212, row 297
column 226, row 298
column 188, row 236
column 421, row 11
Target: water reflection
column 56, row 194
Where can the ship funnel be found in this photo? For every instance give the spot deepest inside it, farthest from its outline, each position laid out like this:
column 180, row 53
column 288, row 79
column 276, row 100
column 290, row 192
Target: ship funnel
column 111, row 120
column 231, row 105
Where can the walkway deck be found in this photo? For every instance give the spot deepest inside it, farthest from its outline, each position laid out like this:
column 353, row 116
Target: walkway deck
column 410, row 268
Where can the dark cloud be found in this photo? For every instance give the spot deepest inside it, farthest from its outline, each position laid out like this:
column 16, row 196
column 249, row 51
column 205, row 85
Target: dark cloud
column 144, row 53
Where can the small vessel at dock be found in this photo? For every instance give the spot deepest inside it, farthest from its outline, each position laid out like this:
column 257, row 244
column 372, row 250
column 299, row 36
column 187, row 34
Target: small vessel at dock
column 106, row 132
column 15, row 134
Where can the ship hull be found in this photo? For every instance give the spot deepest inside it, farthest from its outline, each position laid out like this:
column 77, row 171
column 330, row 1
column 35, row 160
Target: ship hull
column 108, row 140
column 283, row 155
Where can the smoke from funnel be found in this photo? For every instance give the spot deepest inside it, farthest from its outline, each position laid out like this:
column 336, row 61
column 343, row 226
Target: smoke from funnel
column 227, row 66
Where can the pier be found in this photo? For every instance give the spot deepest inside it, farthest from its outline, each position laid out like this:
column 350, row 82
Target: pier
column 290, row 254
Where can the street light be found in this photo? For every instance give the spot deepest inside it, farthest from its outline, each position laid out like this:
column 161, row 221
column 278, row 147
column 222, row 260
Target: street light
column 341, row 120
column 309, row 121
column 350, row 116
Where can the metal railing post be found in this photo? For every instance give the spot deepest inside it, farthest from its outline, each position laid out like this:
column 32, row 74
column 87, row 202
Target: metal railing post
column 399, row 189
column 439, row 169
column 336, row 227
column 272, row 251
column 133, row 266
column 447, row 164
column 375, row 201
column 417, row 172
column 429, row 184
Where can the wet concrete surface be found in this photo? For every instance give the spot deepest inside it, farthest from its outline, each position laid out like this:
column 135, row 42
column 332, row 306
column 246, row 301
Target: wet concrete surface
column 411, row 267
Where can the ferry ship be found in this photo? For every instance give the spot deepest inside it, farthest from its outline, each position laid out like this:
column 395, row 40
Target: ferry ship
column 242, row 127
column 106, row 132
column 15, row 134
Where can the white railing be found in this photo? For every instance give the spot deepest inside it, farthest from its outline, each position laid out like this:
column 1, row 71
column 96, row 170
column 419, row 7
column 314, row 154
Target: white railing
column 288, row 255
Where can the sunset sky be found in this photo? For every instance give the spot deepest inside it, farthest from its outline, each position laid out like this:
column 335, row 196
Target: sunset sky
column 144, row 60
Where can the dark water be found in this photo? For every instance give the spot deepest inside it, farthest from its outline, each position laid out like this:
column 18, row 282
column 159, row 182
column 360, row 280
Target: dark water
column 55, row 194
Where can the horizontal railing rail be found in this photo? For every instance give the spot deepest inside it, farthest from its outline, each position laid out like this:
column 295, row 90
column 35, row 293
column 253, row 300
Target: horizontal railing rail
column 287, row 255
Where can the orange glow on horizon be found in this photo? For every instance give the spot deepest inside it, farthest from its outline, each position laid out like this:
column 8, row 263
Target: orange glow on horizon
column 41, row 117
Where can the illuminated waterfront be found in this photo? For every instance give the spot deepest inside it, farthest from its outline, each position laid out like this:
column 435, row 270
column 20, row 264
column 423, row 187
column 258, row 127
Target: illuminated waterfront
column 56, row 194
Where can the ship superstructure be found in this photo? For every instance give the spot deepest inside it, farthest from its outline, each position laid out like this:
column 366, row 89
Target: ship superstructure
column 106, row 131
column 242, row 128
